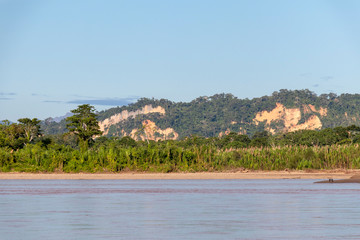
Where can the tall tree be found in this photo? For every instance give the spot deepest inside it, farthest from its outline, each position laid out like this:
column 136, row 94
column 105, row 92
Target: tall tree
column 83, row 123
column 12, row 135
column 31, row 128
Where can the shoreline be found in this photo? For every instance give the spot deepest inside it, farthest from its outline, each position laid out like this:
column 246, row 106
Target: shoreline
column 321, row 174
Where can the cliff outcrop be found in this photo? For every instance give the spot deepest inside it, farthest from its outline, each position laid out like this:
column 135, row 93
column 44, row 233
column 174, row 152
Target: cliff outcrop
column 288, row 119
column 150, row 131
column 124, row 115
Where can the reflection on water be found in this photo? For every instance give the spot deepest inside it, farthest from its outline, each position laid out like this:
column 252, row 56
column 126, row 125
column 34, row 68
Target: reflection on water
column 178, row 209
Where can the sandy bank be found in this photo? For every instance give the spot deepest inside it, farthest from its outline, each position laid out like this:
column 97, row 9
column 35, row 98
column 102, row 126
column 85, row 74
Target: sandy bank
column 335, row 174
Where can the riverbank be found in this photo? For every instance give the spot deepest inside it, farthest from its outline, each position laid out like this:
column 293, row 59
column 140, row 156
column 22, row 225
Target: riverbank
column 324, row 174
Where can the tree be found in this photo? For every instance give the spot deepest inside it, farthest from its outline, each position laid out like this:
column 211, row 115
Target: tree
column 31, row 128
column 83, row 123
column 260, row 139
column 12, row 135
column 127, row 142
column 234, row 140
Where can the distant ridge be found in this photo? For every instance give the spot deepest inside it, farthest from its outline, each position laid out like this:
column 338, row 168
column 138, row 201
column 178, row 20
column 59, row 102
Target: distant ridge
column 283, row 111
column 59, row 119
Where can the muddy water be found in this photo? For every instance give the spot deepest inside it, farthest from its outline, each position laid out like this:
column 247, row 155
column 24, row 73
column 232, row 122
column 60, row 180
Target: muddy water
column 178, row 209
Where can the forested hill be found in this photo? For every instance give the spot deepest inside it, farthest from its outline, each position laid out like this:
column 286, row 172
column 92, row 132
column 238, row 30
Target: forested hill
column 283, row 111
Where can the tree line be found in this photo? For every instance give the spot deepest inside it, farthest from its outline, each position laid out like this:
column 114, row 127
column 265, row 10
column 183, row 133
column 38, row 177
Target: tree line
column 23, row 147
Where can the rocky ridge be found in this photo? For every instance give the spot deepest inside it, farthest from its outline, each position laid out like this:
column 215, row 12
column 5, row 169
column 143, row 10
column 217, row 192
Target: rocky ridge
column 283, row 111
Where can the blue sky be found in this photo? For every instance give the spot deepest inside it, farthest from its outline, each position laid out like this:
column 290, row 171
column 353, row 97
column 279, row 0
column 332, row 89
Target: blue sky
column 55, row 55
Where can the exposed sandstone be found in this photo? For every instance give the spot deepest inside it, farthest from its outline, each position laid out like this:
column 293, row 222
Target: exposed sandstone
column 152, row 132
column 311, row 108
column 290, row 117
column 312, row 123
column 124, row 115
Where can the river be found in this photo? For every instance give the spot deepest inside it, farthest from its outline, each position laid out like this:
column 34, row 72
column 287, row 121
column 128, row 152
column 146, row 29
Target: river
column 178, row 209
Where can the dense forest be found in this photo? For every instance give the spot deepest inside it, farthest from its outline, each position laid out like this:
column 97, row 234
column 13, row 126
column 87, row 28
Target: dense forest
column 211, row 116
column 25, row 147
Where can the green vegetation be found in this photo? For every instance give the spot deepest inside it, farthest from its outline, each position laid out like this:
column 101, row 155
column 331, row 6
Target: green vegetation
column 124, row 155
column 209, row 116
column 16, row 136
column 23, row 148
column 83, row 123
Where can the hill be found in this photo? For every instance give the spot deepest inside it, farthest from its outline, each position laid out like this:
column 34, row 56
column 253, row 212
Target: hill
column 283, row 111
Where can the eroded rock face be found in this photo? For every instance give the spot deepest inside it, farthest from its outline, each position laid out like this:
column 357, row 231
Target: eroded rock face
column 279, row 119
column 311, row 123
column 290, row 118
column 152, row 132
column 124, row 115
column 311, row 108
